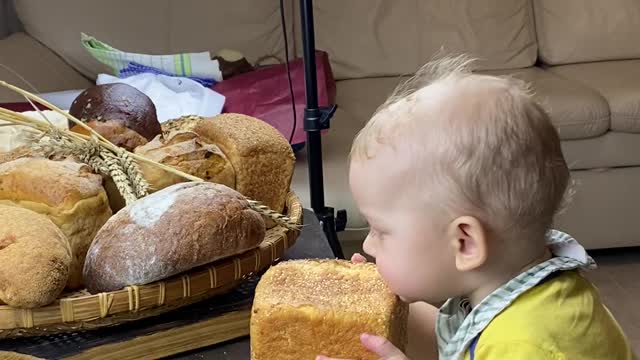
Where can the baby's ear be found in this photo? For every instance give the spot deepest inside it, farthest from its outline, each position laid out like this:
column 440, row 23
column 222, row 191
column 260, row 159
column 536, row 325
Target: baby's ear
column 469, row 240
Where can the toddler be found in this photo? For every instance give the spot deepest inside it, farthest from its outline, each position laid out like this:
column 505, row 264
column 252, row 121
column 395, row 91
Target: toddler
column 459, row 176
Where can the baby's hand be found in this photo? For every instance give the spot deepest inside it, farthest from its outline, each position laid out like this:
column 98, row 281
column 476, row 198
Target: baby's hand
column 379, row 345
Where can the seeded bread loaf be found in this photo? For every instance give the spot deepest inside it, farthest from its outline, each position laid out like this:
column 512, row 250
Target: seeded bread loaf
column 262, row 158
column 305, row 308
column 34, row 258
column 171, row 231
column 67, row 192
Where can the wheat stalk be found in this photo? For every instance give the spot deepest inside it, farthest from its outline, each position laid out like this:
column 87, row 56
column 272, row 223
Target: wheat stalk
column 103, row 156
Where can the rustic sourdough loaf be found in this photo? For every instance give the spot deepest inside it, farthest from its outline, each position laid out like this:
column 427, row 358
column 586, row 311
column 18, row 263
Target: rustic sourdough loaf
column 34, row 258
column 305, row 308
column 66, row 192
column 171, row 231
column 188, row 152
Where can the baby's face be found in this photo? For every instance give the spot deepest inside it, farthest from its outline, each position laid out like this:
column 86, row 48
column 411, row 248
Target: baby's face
column 407, row 240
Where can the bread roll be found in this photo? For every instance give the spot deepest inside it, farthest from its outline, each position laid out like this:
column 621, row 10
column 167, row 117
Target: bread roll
column 119, row 112
column 171, row 231
column 34, row 258
column 67, row 192
column 305, row 308
column 188, row 152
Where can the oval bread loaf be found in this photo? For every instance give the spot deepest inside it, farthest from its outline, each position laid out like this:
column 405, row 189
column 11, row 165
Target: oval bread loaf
column 34, row 258
column 171, row 231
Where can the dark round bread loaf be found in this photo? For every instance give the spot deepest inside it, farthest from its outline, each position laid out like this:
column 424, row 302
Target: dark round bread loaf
column 105, row 108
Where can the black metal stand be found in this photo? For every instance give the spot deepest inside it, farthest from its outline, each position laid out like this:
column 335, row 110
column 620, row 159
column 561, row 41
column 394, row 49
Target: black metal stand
column 315, row 120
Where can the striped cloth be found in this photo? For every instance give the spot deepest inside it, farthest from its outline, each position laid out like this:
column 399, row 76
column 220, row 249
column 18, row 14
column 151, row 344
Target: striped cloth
column 197, row 66
column 134, row 69
column 458, row 325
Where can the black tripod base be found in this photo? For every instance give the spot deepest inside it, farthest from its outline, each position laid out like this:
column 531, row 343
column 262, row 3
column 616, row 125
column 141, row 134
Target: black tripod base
column 331, row 225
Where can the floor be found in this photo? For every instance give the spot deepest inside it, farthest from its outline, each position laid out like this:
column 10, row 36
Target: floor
column 617, row 278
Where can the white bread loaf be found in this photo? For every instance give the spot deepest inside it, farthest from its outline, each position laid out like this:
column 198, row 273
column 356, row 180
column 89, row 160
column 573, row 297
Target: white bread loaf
column 305, row 308
column 13, row 137
column 34, row 258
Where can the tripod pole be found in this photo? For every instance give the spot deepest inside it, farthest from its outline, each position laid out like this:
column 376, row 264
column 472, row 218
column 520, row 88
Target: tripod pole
column 316, row 120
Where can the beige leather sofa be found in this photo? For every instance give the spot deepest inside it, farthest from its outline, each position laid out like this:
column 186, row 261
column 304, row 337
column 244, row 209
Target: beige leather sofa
column 581, row 56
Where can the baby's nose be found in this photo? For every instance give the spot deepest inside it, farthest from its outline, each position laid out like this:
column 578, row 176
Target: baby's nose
column 369, row 246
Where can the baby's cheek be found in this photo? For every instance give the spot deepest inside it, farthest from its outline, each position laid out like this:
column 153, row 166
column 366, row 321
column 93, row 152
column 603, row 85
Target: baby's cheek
column 394, row 274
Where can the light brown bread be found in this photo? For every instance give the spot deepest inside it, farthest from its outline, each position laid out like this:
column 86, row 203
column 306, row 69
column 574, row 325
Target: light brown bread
column 8, row 355
column 305, row 308
column 262, row 158
column 188, row 152
column 34, row 258
column 67, row 192
column 171, row 231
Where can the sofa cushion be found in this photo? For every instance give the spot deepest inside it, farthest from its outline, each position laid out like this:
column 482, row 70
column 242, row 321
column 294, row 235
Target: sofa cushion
column 572, row 31
column 155, row 27
column 27, row 64
column 402, row 35
column 618, row 82
column 604, row 209
column 613, row 149
column 576, row 110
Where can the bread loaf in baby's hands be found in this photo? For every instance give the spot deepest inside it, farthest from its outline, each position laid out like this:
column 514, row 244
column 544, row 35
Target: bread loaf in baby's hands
column 306, row 308
column 171, row 231
column 34, row 258
column 67, row 192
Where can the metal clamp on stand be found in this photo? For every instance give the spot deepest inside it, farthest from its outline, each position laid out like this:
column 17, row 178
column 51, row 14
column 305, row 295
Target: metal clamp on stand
column 315, row 120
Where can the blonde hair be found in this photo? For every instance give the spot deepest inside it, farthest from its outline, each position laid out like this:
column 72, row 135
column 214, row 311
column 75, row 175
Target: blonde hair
column 500, row 161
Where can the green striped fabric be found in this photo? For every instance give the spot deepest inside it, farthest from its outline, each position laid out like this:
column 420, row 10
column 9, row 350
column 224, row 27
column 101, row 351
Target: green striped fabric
column 199, row 65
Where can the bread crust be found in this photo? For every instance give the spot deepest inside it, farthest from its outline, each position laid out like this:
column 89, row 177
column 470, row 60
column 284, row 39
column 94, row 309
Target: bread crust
column 35, row 257
column 305, row 308
column 67, row 192
column 112, row 108
column 171, row 231
column 188, row 152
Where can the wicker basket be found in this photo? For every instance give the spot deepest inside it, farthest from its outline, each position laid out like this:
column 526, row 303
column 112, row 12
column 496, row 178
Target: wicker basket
column 80, row 310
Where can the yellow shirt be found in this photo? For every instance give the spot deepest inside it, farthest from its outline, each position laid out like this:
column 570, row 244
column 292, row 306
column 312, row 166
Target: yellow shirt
column 560, row 319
